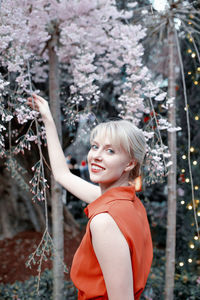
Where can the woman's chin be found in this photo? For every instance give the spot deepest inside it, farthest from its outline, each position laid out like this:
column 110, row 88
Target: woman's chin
column 94, row 180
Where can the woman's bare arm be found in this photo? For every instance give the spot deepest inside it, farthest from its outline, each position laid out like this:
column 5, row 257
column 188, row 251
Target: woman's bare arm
column 113, row 254
column 82, row 189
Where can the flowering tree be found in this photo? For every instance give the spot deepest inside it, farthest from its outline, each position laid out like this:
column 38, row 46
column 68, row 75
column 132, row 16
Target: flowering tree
column 94, row 43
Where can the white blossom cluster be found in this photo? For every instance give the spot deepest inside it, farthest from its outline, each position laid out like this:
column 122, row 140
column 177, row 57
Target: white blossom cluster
column 95, row 47
column 24, row 114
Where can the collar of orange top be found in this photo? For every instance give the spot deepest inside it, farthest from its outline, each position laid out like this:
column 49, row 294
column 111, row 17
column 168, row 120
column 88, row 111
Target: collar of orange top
column 115, row 193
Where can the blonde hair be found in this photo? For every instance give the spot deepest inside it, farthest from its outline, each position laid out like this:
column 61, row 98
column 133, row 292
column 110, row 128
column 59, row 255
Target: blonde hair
column 127, row 136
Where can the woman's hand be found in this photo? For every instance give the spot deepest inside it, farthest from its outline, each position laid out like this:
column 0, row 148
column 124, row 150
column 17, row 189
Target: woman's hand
column 87, row 191
column 40, row 104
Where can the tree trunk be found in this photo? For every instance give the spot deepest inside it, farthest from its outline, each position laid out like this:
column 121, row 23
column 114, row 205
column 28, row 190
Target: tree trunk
column 7, row 230
column 171, row 215
column 70, row 225
column 17, row 213
column 56, row 190
column 31, row 210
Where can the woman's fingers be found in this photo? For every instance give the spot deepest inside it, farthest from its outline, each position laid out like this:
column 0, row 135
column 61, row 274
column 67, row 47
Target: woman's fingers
column 35, row 107
column 32, row 103
column 36, row 97
column 39, row 104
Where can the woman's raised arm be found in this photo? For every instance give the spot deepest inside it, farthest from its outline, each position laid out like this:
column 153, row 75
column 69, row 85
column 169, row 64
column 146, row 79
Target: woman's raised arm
column 82, row 189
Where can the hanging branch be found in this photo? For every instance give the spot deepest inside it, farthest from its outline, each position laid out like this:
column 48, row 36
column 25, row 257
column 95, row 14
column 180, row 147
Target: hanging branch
column 183, row 20
column 190, row 20
column 39, row 147
column 158, row 27
column 188, row 128
column 187, row 11
column 160, row 138
column 44, row 248
column 193, row 42
column 16, row 171
column 46, row 244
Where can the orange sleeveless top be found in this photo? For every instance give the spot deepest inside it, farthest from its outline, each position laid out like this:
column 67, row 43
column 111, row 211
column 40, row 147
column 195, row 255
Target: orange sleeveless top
column 130, row 216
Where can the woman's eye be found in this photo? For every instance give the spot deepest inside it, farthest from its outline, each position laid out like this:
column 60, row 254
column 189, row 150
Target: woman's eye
column 94, row 146
column 110, row 151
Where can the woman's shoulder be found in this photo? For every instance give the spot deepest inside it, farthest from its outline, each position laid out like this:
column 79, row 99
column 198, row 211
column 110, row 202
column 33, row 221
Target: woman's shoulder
column 101, row 221
column 104, row 227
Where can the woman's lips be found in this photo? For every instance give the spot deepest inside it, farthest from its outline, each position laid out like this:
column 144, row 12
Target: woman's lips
column 96, row 168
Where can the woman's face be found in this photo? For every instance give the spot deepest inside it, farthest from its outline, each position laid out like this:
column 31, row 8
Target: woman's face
column 108, row 165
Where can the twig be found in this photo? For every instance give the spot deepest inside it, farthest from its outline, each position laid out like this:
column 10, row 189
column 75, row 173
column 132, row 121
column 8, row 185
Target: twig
column 156, row 121
column 40, row 264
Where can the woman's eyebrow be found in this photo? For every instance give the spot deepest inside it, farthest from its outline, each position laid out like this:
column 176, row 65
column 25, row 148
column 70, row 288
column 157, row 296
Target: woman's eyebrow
column 106, row 145
column 99, row 141
column 93, row 141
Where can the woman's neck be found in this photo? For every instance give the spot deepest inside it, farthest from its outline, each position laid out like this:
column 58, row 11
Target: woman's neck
column 105, row 187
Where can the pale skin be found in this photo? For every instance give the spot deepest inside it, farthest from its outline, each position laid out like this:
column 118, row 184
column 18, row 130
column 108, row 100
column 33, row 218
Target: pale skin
column 109, row 167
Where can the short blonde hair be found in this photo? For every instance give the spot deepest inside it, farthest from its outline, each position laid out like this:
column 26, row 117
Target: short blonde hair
column 127, row 136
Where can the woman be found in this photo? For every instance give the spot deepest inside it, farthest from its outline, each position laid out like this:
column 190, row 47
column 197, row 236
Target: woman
column 115, row 255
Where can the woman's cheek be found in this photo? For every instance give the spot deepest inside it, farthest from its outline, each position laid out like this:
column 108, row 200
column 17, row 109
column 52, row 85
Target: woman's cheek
column 89, row 157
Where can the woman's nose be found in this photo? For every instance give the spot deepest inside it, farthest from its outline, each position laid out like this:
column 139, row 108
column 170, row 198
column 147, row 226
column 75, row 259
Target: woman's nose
column 98, row 155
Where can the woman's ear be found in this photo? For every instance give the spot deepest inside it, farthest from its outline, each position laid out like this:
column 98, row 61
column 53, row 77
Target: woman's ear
column 130, row 166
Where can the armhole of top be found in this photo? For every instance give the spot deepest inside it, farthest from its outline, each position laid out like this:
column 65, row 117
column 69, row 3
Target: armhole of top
column 117, row 222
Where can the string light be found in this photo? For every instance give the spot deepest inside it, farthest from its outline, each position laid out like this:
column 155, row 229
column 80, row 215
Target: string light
column 192, row 149
column 191, row 39
column 191, row 245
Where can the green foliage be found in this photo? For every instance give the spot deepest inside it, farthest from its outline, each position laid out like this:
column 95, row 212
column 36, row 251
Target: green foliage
column 187, row 286
column 155, row 283
column 28, row 290
column 187, row 283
